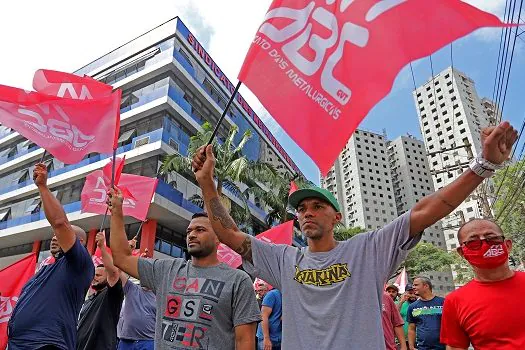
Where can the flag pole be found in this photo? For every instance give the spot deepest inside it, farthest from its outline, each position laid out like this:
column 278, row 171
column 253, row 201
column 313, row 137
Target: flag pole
column 224, row 112
column 43, row 156
column 113, row 166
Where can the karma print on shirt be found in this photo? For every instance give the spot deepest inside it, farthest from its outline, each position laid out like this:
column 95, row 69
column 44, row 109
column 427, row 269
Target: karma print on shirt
column 323, row 277
column 188, row 314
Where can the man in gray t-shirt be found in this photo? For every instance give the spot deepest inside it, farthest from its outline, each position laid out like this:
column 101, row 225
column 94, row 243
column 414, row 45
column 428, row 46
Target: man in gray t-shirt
column 332, row 291
column 201, row 303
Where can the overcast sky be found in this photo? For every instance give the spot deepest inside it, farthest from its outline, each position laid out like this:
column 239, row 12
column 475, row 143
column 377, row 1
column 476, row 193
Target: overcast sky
column 65, row 35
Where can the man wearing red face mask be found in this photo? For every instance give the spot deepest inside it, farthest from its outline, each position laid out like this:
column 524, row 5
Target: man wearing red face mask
column 482, row 312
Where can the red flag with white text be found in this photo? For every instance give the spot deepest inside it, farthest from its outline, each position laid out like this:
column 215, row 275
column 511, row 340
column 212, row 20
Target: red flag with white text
column 69, row 85
column 69, row 129
column 281, row 234
column 140, row 188
column 13, row 278
column 320, row 66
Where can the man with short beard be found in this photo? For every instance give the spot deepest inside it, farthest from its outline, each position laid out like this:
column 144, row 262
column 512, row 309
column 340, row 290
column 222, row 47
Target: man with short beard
column 97, row 325
column 406, row 299
column 331, row 289
column 201, row 303
column 45, row 316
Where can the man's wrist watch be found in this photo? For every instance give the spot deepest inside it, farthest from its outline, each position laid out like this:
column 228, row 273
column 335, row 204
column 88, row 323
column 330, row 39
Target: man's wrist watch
column 483, row 168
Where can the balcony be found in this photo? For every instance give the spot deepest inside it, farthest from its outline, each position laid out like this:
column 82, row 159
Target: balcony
column 165, row 134
column 163, row 189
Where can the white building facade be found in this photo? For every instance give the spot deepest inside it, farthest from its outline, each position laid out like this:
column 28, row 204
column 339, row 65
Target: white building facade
column 412, row 181
column 360, row 180
column 451, row 117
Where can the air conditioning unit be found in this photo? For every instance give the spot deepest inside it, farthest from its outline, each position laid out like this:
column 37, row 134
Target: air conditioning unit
column 141, row 142
column 174, row 144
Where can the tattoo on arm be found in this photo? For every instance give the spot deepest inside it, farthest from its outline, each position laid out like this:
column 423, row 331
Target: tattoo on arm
column 245, row 250
column 220, row 214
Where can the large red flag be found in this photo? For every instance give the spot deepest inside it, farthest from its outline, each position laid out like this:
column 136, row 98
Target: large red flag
column 13, row 278
column 69, row 129
column 68, row 85
column 281, row 234
column 140, row 188
column 319, row 66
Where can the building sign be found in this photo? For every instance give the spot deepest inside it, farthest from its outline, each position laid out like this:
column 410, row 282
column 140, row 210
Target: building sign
column 206, row 59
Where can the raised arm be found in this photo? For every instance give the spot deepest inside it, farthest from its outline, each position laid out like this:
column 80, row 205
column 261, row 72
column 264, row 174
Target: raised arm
column 118, row 241
column 112, row 271
column 203, row 165
column 497, row 142
column 55, row 214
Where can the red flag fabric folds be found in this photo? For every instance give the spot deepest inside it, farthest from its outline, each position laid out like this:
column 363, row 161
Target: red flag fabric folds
column 281, row 234
column 68, row 85
column 13, row 278
column 69, row 129
column 320, row 66
column 139, row 189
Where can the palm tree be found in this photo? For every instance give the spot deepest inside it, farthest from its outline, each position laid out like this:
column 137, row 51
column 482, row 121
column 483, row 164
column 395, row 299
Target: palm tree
column 231, row 169
column 275, row 196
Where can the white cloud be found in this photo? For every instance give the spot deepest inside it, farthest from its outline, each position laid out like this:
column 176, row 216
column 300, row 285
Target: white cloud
column 496, row 7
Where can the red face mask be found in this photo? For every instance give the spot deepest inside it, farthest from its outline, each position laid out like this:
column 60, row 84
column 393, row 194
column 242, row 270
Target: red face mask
column 488, row 256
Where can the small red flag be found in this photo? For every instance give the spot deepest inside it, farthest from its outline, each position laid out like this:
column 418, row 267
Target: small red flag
column 139, row 189
column 68, row 129
column 13, row 278
column 97, row 257
column 68, row 85
column 320, row 66
column 281, row 234
column 293, row 188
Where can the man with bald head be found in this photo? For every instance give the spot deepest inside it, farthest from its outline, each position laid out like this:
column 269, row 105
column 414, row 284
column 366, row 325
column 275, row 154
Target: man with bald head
column 486, row 312
column 46, row 314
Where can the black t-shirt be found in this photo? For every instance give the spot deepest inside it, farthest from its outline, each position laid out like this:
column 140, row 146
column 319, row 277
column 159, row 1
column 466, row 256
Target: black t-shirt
column 97, row 325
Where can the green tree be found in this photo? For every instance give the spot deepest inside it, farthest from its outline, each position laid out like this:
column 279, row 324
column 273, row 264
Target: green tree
column 510, row 205
column 342, row 233
column 464, row 272
column 232, row 169
column 274, row 193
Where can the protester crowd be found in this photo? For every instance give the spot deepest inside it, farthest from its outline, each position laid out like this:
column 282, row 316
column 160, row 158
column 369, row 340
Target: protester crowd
column 329, row 295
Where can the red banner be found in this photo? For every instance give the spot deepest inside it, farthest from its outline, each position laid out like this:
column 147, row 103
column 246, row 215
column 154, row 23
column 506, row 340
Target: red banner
column 68, row 85
column 281, row 234
column 68, row 129
column 320, row 66
column 13, row 278
column 141, row 190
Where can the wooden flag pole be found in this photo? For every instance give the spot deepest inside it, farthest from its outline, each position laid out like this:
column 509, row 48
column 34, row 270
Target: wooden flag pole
column 224, row 112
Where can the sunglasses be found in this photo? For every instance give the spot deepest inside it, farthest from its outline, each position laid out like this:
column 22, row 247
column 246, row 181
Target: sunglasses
column 476, row 243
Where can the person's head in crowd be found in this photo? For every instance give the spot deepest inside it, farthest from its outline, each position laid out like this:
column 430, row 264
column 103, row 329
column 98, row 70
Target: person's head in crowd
column 100, row 281
column 410, row 292
column 317, row 211
column 483, row 245
column 261, row 288
column 422, row 287
column 201, row 240
column 392, row 290
column 54, row 246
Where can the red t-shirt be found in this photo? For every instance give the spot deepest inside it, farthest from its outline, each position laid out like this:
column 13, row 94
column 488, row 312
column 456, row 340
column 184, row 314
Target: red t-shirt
column 391, row 318
column 488, row 315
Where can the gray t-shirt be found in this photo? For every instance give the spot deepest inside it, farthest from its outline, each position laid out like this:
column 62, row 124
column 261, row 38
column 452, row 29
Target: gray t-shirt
column 198, row 307
column 137, row 317
column 332, row 300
